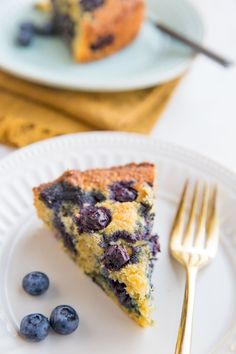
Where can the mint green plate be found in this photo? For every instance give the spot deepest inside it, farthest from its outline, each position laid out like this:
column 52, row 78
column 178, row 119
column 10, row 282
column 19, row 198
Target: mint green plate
column 151, row 59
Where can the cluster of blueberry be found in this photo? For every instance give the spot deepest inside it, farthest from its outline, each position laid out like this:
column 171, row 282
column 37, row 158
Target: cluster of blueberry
column 65, row 192
column 62, row 192
column 35, row 327
column 59, row 24
column 28, row 30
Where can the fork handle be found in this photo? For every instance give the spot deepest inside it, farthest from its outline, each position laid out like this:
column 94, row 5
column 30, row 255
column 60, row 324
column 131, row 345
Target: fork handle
column 183, row 345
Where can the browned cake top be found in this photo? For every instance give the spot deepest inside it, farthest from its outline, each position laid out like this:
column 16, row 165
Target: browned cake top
column 113, row 10
column 95, row 178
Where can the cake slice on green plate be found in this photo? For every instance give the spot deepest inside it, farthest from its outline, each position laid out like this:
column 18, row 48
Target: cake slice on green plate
column 103, row 219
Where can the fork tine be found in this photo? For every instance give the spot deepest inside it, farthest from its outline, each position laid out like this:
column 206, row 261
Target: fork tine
column 202, row 219
column 212, row 222
column 189, row 232
column 178, row 223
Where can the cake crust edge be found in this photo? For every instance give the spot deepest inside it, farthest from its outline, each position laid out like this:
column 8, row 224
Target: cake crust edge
column 92, row 178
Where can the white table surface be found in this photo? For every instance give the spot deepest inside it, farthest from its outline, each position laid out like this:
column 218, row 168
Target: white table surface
column 202, row 113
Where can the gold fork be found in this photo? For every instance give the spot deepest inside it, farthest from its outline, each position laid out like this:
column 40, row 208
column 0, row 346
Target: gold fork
column 193, row 243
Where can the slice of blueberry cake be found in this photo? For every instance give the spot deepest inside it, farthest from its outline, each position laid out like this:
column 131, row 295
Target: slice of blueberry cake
column 103, row 218
column 94, row 29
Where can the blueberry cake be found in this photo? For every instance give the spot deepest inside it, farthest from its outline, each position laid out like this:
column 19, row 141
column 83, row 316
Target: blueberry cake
column 94, row 29
column 103, row 219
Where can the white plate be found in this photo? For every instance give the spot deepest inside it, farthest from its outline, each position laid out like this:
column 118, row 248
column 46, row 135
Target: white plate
column 27, row 246
column 151, row 59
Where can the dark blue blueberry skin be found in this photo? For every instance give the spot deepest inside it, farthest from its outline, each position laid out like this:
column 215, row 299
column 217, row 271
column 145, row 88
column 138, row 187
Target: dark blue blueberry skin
column 54, row 195
column 64, row 319
column 27, row 26
column 102, row 42
column 93, row 219
column 25, row 35
column 120, row 292
column 90, row 5
column 47, row 29
column 144, row 209
column 115, row 257
column 35, row 283
column 97, row 197
column 123, row 192
column 34, row 327
column 65, row 26
column 106, row 241
column 126, row 236
column 155, row 245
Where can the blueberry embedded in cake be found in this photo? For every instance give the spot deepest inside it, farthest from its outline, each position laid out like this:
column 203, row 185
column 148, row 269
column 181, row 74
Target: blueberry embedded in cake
column 94, row 29
column 103, row 219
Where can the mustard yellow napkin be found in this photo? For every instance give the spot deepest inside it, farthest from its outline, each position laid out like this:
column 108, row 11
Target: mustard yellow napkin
column 31, row 112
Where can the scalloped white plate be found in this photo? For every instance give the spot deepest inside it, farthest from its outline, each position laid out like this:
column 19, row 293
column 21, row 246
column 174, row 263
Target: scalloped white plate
column 151, row 59
column 26, row 246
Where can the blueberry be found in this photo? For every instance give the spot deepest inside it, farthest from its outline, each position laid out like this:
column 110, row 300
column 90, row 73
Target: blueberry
column 65, row 27
column 120, row 292
column 91, row 198
column 27, row 26
column 97, row 197
column 64, row 319
column 90, row 5
column 59, row 192
column 93, row 219
column 47, row 29
column 116, row 257
column 34, row 327
column 25, row 34
column 52, row 195
column 24, row 38
column 102, row 42
column 72, row 194
column 123, row 192
column 124, row 235
column 144, row 209
column 155, row 245
column 88, row 199
column 35, row 283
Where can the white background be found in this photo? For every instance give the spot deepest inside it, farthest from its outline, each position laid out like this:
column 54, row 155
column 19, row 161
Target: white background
column 202, row 112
